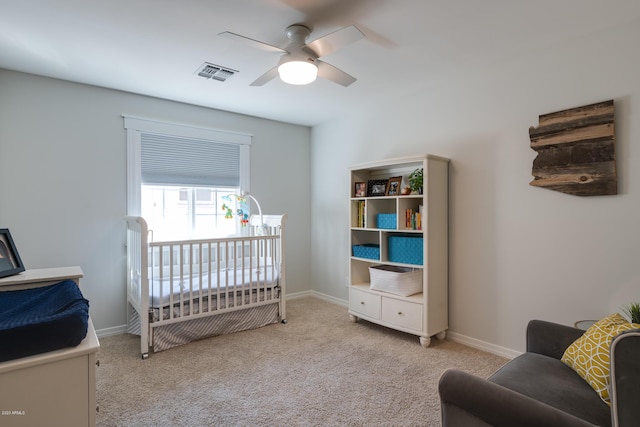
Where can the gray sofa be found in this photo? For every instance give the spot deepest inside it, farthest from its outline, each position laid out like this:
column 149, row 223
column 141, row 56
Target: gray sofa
column 537, row 389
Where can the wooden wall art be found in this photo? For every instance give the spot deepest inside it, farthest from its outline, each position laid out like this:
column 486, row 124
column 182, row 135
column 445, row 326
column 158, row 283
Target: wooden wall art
column 576, row 151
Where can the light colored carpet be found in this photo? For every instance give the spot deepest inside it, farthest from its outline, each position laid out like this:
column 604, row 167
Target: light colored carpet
column 320, row 369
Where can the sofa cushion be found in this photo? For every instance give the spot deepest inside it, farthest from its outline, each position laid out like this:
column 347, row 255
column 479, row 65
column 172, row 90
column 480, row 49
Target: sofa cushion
column 589, row 354
column 550, row 381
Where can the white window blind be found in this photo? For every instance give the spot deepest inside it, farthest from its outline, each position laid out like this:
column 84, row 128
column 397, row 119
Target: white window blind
column 172, row 160
column 177, row 154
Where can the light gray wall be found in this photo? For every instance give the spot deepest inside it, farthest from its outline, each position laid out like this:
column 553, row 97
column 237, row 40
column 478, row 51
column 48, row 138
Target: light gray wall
column 516, row 252
column 63, row 179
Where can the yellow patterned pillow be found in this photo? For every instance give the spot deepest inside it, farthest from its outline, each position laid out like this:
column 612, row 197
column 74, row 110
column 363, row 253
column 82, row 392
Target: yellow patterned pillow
column 589, row 354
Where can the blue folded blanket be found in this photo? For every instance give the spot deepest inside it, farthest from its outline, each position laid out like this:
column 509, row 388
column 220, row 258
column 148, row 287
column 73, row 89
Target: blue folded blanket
column 39, row 320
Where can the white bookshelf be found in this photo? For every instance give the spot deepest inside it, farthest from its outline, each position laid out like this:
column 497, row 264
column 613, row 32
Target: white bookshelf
column 424, row 314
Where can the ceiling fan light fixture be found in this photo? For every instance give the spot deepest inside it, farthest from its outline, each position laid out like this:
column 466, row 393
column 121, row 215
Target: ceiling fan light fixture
column 298, row 72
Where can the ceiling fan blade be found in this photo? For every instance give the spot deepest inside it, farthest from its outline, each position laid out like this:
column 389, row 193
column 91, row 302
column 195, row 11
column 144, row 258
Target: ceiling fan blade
column 254, row 43
column 328, row 44
column 327, row 13
column 266, row 77
column 329, row 72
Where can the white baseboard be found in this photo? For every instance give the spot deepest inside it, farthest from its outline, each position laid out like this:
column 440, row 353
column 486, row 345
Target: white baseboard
column 298, row 295
column 319, row 295
column 483, row 345
column 107, row 332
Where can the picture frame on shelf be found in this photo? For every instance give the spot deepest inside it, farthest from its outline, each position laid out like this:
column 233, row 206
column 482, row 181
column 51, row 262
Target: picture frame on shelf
column 377, row 187
column 10, row 262
column 360, row 189
column 393, row 186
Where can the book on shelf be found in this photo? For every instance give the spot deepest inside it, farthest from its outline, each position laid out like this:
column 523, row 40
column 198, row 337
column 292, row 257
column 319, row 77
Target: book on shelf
column 413, row 218
column 361, row 219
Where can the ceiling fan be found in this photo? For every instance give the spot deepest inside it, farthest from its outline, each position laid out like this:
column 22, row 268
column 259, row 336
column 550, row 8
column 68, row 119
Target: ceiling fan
column 300, row 61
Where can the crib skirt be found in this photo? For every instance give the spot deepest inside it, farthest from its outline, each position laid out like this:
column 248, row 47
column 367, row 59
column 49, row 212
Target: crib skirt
column 174, row 334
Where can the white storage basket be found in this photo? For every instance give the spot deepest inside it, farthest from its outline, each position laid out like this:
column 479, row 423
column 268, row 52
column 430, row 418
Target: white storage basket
column 403, row 281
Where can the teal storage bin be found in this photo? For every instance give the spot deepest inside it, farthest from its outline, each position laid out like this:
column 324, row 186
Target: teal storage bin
column 387, row 221
column 406, row 249
column 369, row 251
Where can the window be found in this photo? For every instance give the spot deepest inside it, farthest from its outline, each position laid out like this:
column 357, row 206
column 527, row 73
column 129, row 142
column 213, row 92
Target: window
column 179, row 176
column 187, row 212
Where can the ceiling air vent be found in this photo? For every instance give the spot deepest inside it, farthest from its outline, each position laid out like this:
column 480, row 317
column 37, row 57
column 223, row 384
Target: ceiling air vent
column 215, row 72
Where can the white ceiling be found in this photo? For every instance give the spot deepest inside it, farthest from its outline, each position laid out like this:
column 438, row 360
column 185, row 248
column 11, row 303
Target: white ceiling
column 154, row 47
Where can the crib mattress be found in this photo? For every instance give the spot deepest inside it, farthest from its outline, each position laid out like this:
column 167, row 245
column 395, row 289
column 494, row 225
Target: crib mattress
column 161, row 290
column 39, row 320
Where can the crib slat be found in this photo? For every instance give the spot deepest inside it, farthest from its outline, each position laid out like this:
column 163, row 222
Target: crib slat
column 190, row 273
column 181, row 280
column 219, row 261
column 226, row 275
column 209, row 263
column 161, row 274
column 246, row 246
column 200, row 281
column 236, row 265
column 171, row 276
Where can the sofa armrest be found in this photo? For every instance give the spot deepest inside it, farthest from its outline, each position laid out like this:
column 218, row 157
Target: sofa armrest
column 470, row 401
column 625, row 378
column 550, row 339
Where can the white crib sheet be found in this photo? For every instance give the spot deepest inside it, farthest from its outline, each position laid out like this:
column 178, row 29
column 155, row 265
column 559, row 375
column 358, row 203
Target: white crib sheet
column 160, row 290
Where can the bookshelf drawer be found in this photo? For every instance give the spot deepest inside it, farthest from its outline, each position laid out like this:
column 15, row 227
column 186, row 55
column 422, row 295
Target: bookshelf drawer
column 402, row 313
column 365, row 303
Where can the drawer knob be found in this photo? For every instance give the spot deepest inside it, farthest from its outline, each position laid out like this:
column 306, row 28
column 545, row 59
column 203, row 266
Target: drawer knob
column 361, row 302
column 399, row 313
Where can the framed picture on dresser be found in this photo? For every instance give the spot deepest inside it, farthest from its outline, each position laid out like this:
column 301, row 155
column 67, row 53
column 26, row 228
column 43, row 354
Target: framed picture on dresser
column 10, row 262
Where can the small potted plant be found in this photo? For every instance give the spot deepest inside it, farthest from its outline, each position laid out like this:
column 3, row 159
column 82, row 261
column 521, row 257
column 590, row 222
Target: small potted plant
column 415, row 181
column 633, row 311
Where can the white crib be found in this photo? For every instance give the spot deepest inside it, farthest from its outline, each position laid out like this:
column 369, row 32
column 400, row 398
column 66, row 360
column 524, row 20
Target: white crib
column 181, row 291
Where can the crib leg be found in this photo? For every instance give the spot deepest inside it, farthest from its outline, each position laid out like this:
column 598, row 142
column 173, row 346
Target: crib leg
column 145, row 356
column 284, row 321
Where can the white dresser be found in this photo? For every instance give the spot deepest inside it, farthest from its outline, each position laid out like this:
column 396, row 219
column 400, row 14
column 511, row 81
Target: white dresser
column 57, row 388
